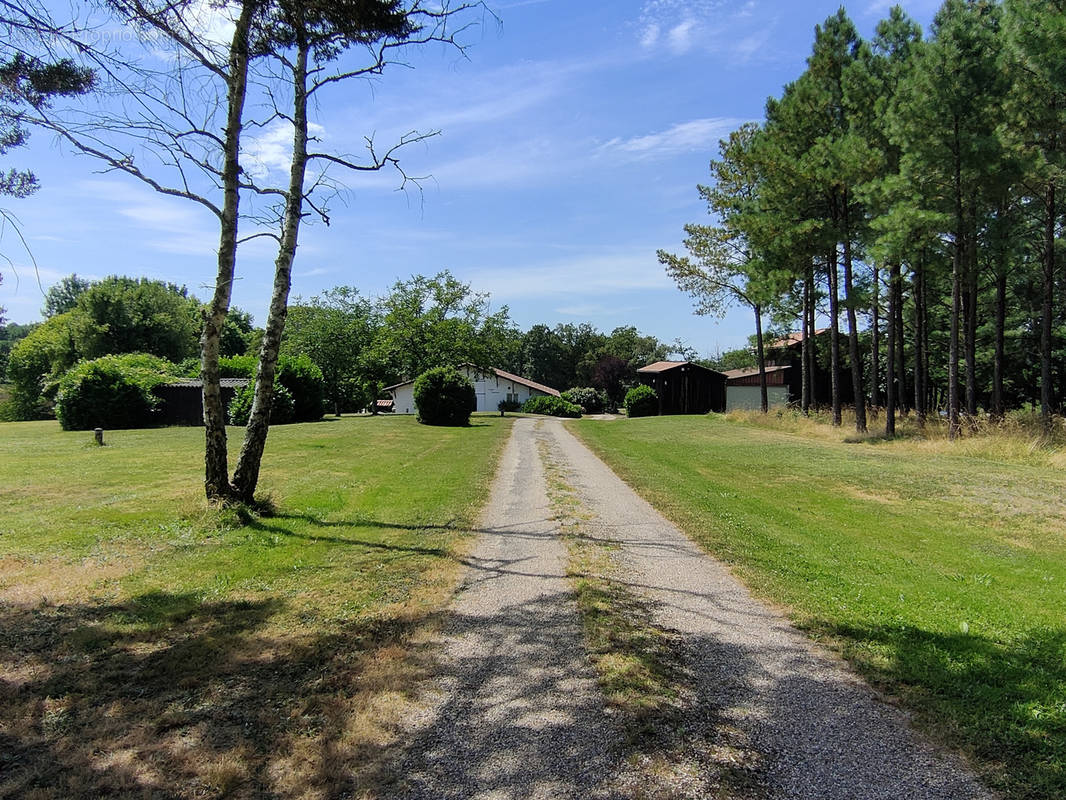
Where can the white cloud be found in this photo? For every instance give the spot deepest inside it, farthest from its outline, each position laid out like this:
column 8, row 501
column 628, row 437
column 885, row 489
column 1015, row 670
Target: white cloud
column 682, row 36
column 685, row 137
column 270, row 151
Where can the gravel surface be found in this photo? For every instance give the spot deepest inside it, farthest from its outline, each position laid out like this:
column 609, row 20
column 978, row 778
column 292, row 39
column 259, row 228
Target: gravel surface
column 516, row 712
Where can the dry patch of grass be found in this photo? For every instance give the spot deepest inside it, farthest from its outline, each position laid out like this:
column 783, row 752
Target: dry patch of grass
column 150, row 647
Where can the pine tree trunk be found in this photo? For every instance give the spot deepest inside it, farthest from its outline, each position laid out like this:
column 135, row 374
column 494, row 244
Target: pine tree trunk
column 920, row 383
column 956, row 291
column 760, row 350
column 890, row 363
column 834, row 344
column 901, row 355
column 970, row 317
column 1000, row 349
column 1047, row 397
column 246, row 476
column 805, row 349
column 853, row 329
column 216, row 459
column 875, row 343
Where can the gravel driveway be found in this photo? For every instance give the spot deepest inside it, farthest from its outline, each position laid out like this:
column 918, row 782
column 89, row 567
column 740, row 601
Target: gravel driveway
column 516, row 712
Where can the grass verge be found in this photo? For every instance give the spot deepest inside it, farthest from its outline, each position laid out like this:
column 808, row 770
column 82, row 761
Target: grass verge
column 941, row 577
column 152, row 647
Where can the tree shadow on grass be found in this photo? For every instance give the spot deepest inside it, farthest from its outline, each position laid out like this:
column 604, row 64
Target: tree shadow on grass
column 1003, row 701
column 166, row 696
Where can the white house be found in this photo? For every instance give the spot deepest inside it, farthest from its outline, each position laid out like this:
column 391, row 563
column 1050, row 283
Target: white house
column 491, row 385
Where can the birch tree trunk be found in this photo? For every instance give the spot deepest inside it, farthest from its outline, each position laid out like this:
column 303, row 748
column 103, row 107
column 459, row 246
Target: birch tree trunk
column 216, row 458
column 246, row 476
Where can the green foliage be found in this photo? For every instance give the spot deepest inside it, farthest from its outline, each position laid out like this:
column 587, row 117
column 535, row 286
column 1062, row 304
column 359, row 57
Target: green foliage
column 443, row 396
column 589, row 398
column 63, row 296
column 336, row 330
column 282, row 406
column 551, row 406
column 427, row 322
column 10, row 335
column 113, row 392
column 40, row 357
column 641, row 401
column 137, row 315
column 237, row 333
column 302, row 377
column 237, row 367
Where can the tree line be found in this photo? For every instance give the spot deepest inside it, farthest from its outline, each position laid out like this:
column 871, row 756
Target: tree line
column 361, row 344
column 906, row 188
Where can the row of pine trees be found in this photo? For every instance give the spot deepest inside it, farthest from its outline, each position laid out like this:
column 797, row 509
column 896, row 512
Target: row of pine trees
column 911, row 183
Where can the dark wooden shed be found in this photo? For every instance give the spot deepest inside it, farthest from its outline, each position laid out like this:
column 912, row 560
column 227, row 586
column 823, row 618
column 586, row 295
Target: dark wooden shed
column 183, row 402
column 684, row 387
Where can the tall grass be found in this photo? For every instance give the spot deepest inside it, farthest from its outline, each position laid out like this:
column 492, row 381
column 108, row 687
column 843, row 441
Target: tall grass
column 1018, row 436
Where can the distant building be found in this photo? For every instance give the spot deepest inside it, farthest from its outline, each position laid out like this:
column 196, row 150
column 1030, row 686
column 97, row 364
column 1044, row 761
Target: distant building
column 743, row 390
column 183, row 401
column 684, row 387
column 491, row 386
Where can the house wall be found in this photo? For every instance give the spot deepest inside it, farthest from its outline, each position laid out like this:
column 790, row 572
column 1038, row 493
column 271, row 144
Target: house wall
column 749, row 398
column 488, row 388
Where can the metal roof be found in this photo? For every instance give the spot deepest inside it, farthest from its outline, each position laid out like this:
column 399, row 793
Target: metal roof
column 224, row 383
column 796, row 337
column 746, row 371
column 662, row 366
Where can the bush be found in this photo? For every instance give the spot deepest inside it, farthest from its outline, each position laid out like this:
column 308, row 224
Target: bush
column 551, row 406
column 641, row 401
column 112, row 392
column 302, row 377
column 508, row 405
column 443, row 396
column 299, row 375
column 592, row 400
column 281, row 406
column 237, row 367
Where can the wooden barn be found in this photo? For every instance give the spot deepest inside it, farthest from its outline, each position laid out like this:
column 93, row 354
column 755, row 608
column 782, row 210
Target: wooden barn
column 183, row 401
column 684, row 387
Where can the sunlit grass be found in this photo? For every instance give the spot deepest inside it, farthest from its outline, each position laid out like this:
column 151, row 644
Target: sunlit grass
column 151, row 643
column 939, row 573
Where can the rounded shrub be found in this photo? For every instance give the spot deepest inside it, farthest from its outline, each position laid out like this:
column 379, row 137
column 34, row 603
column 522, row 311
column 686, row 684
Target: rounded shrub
column 592, row 400
column 551, row 406
column 641, row 401
column 237, row 366
column 302, row 377
column 443, row 396
column 112, row 392
column 281, row 407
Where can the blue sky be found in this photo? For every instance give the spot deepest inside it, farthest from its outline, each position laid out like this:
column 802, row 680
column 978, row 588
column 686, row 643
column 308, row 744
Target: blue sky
column 572, row 140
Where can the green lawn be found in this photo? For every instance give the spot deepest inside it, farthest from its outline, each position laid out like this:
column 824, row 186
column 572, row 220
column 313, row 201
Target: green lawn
column 150, row 645
column 942, row 578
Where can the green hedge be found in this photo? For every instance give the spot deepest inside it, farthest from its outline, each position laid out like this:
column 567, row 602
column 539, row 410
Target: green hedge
column 443, row 396
column 112, row 392
column 281, row 407
column 641, row 401
column 592, row 400
column 551, row 406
